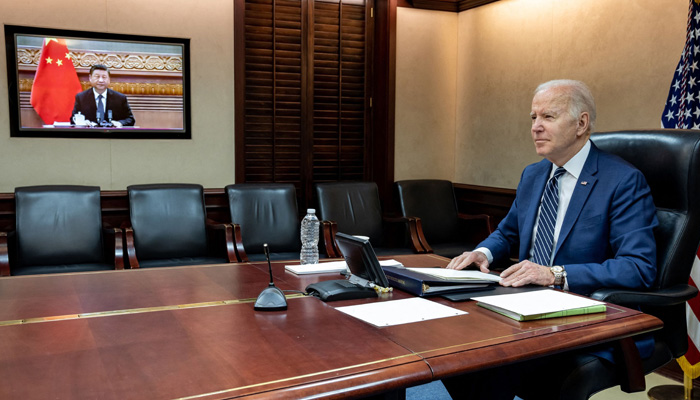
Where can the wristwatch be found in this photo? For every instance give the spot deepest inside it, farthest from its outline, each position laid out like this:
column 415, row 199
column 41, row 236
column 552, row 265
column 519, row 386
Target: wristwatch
column 559, row 275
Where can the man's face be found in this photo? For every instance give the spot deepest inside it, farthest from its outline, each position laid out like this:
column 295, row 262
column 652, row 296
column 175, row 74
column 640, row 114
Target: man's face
column 99, row 80
column 556, row 134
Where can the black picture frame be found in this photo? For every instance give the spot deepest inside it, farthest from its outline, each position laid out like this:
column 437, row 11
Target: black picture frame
column 152, row 71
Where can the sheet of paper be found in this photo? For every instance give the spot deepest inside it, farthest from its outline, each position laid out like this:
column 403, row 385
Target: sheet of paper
column 538, row 302
column 396, row 312
column 320, row 268
column 445, row 273
column 328, row 267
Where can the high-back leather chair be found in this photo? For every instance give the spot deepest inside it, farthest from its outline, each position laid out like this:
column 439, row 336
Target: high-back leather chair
column 670, row 161
column 265, row 213
column 446, row 231
column 354, row 208
column 59, row 229
column 169, row 228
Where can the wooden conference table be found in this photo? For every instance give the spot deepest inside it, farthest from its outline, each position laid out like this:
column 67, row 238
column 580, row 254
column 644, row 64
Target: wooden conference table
column 191, row 332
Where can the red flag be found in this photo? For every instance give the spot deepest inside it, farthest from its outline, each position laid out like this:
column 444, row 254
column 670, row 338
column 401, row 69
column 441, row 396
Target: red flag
column 55, row 84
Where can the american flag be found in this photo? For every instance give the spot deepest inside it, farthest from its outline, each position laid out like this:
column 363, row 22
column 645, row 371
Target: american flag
column 682, row 111
column 690, row 362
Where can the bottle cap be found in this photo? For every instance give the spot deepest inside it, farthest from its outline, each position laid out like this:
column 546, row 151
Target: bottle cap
column 311, row 211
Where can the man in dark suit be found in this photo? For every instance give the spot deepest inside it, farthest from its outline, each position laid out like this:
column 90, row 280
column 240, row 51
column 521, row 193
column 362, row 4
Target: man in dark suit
column 581, row 228
column 100, row 104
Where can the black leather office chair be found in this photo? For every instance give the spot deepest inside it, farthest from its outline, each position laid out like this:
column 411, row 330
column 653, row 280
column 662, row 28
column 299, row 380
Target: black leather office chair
column 446, row 231
column 670, row 161
column 265, row 213
column 354, row 208
column 59, row 229
column 169, row 228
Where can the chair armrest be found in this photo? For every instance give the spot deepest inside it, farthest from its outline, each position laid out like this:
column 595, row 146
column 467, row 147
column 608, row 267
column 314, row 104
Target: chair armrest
column 411, row 226
column 130, row 249
column 658, row 298
column 226, row 230
column 484, row 217
column 415, row 228
column 4, row 255
column 328, row 231
column 238, row 238
column 114, row 246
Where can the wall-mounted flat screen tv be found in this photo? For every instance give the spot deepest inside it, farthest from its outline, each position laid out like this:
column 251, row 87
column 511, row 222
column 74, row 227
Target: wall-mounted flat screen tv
column 77, row 84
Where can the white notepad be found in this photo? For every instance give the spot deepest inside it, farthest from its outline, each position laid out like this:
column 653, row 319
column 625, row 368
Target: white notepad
column 330, row 267
column 396, row 312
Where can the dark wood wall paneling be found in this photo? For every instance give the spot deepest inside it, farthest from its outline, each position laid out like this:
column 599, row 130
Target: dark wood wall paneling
column 471, row 199
column 383, row 70
column 474, row 199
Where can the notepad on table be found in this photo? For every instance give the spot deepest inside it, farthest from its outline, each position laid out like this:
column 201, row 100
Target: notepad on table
column 404, row 311
column 540, row 304
column 329, row 267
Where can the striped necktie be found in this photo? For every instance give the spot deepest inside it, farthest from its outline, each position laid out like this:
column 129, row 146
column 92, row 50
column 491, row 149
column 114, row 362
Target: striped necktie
column 542, row 253
column 100, row 109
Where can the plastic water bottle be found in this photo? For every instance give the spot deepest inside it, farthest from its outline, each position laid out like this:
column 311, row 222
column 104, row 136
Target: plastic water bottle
column 309, row 238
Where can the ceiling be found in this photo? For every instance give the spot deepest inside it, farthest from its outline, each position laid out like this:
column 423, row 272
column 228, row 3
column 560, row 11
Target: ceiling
column 444, row 5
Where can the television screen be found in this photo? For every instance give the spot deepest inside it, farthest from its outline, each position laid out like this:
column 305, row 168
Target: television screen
column 80, row 84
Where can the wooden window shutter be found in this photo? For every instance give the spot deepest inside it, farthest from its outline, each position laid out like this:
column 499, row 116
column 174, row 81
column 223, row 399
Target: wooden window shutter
column 273, row 92
column 339, row 91
column 305, row 113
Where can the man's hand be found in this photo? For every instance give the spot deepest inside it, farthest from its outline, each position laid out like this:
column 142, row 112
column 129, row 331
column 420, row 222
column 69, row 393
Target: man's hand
column 470, row 258
column 527, row 272
column 117, row 124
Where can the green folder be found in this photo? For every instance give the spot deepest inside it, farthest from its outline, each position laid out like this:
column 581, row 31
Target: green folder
column 540, row 304
column 555, row 314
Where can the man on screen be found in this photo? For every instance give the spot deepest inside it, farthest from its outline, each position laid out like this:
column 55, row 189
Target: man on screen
column 100, row 104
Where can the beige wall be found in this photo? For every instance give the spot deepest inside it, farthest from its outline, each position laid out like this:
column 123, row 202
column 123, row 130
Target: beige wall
column 625, row 50
column 464, row 84
column 426, row 72
column 113, row 164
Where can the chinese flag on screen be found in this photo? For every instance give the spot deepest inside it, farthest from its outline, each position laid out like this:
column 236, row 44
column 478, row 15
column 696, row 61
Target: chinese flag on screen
column 56, row 83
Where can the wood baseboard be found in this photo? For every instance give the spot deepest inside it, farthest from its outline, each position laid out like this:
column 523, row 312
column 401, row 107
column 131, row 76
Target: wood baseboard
column 673, row 371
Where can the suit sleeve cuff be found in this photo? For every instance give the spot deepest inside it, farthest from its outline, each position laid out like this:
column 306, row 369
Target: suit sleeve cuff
column 486, row 252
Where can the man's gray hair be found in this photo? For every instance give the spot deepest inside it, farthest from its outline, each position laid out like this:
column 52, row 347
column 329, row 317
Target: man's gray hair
column 580, row 98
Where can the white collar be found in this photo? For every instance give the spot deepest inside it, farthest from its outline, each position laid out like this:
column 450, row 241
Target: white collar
column 575, row 165
column 104, row 95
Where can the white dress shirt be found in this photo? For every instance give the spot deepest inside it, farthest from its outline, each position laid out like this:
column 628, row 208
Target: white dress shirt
column 104, row 101
column 567, row 184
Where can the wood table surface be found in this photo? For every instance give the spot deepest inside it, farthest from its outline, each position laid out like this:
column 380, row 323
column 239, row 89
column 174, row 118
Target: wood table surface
column 191, row 332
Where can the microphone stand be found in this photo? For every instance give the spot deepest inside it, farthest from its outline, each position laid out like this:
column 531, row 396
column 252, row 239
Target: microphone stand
column 271, row 298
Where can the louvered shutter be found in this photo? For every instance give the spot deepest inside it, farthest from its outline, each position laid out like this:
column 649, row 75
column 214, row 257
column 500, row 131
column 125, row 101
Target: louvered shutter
column 272, row 126
column 339, row 91
column 293, row 134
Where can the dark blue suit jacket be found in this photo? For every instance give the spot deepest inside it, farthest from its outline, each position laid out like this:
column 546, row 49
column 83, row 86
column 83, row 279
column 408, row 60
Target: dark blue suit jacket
column 116, row 102
column 607, row 237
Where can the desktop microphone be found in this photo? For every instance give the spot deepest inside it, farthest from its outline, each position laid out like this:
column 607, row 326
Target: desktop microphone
column 271, row 298
column 109, row 115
